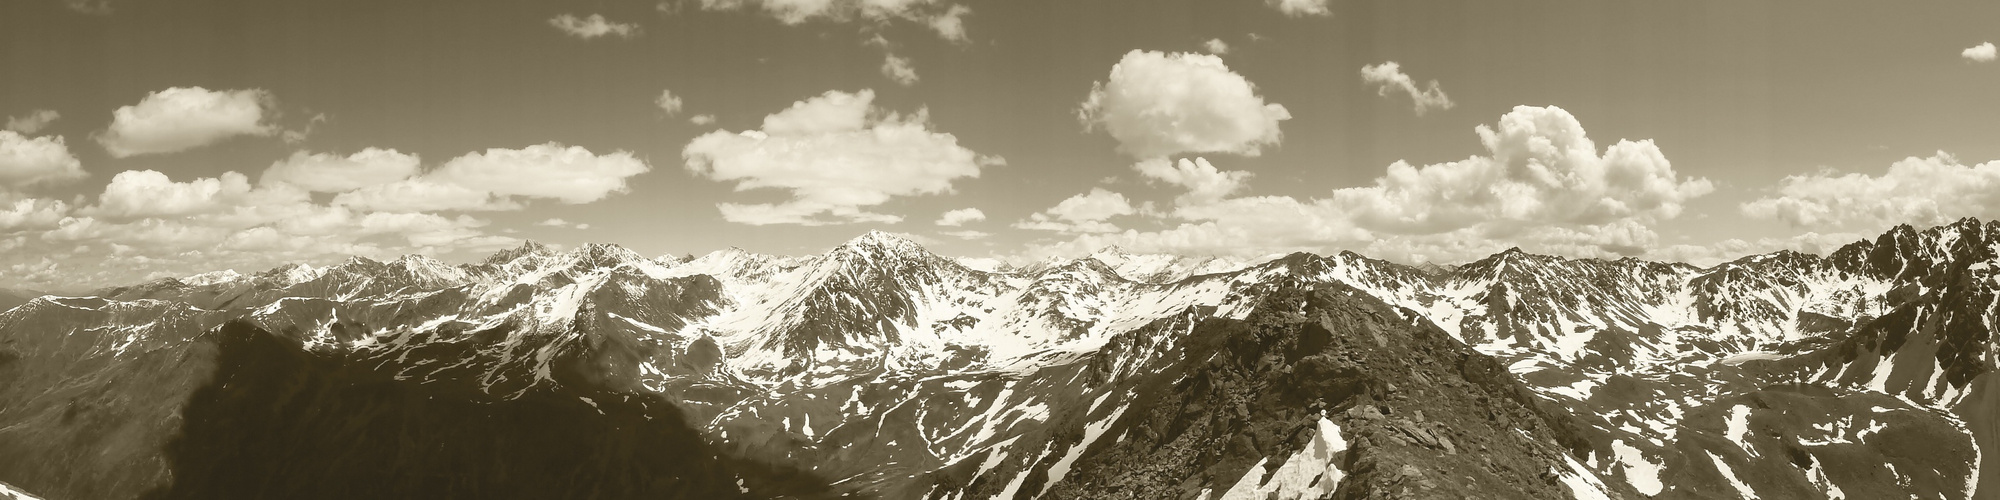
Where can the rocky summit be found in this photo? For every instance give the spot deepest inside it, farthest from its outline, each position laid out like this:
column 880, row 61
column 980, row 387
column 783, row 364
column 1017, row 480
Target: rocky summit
column 881, row 370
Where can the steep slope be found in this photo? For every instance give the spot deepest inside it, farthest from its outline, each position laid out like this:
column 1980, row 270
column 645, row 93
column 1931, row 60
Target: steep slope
column 880, row 369
column 1318, row 393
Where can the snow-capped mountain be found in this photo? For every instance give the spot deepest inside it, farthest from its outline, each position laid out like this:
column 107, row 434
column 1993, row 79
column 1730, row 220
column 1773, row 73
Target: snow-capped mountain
column 878, row 369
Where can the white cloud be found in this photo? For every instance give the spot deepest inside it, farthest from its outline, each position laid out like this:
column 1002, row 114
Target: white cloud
column 33, row 121
column 1083, row 213
column 944, row 17
column 960, row 217
column 1388, row 77
column 571, row 174
column 183, row 118
column 1215, row 46
column 593, row 26
column 1983, row 52
column 558, row 222
column 966, row 234
column 1204, row 183
column 668, row 102
column 1543, row 186
column 147, row 193
column 703, row 120
column 1917, row 191
column 835, row 153
column 1300, row 8
column 30, row 214
column 1541, row 169
column 329, row 173
column 423, row 194
column 898, row 69
column 1157, row 104
column 28, row 162
column 90, row 7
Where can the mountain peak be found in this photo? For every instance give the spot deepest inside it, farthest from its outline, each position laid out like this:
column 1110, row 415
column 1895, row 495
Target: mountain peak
column 882, row 240
column 528, row 247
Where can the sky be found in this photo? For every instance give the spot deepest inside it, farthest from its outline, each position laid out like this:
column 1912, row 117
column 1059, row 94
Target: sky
column 160, row 138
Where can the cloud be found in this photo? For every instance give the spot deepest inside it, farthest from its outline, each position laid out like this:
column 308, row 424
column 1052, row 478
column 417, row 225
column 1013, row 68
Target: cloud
column 1083, row 213
column 960, row 217
column 1543, row 185
column 33, row 121
column 30, row 214
column 31, row 162
column 668, row 102
column 1157, row 104
column 1215, row 46
column 423, row 194
column 1540, row 169
column 1300, row 8
column 570, row 174
column 1983, row 52
column 148, row 193
column 943, row 17
column 594, row 26
column 1388, row 77
column 558, row 222
column 966, row 234
column 328, row 173
column 1918, row 191
column 183, row 118
column 1204, row 183
column 898, row 69
column 836, row 154
column 89, row 7
column 703, row 120
column 150, row 225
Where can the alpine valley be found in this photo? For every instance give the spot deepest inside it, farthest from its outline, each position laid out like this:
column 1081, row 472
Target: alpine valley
column 880, row 370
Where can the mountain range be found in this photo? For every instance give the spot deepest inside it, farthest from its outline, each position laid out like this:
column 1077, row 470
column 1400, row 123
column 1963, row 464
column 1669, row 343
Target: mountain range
column 881, row 370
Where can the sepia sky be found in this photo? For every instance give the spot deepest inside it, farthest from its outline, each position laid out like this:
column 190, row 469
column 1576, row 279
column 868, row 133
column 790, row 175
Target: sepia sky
column 151, row 138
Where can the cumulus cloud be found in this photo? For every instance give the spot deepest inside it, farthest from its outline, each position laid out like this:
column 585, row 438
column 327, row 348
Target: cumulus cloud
column 835, row 154
column 944, row 17
column 1204, row 183
column 1918, row 191
column 147, row 193
column 1300, row 8
column 559, row 222
column 960, row 217
column 423, row 194
column 183, row 118
column 1388, row 77
column 898, row 69
column 668, row 102
column 90, row 7
column 1540, row 169
column 30, row 214
column 27, row 162
column 1083, row 213
column 1543, row 185
column 592, row 26
column 1215, row 46
column 703, row 120
column 1983, row 52
column 33, row 121
column 329, row 173
column 1157, row 104
column 570, row 174
column 150, row 226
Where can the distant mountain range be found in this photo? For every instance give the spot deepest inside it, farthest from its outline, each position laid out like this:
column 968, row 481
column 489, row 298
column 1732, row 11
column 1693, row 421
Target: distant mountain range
column 881, row 370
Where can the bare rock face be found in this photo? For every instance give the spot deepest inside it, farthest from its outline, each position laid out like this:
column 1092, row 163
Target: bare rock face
column 1241, row 404
column 880, row 370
